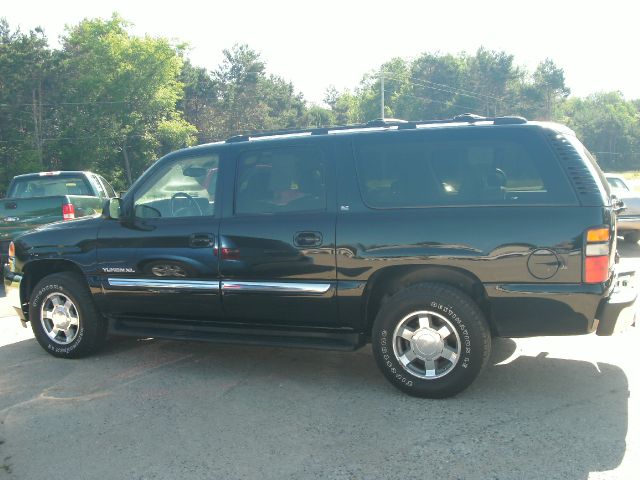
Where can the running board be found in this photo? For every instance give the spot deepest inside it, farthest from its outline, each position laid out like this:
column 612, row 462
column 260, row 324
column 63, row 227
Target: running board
column 246, row 335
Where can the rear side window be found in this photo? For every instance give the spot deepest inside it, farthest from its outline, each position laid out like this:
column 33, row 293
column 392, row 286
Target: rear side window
column 458, row 167
column 281, row 180
column 108, row 188
column 48, row 186
column 98, row 184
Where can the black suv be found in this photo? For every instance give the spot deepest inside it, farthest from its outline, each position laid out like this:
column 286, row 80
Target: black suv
column 424, row 238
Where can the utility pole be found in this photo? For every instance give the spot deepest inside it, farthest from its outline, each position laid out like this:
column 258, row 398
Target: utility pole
column 382, row 93
column 36, row 105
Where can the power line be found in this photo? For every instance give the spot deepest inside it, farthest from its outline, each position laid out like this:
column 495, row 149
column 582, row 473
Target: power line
column 451, row 90
column 462, row 90
column 56, row 139
column 453, row 104
column 114, row 102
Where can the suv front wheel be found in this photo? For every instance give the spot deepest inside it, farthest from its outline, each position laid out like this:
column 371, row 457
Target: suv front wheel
column 431, row 340
column 64, row 319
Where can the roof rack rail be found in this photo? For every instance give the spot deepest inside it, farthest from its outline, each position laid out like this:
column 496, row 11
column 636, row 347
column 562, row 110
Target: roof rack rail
column 378, row 123
column 386, row 122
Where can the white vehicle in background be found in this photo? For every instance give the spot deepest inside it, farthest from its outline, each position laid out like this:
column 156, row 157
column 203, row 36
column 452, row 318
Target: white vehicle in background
column 629, row 218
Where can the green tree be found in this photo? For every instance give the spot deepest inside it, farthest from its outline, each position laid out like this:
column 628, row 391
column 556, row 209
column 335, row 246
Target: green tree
column 343, row 106
column 396, row 72
column 550, row 89
column 609, row 126
column 436, row 88
column 118, row 90
column 25, row 78
column 251, row 100
column 200, row 104
column 494, row 78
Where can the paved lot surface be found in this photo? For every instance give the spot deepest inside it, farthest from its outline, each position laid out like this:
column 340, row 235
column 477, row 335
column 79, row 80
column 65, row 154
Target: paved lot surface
column 145, row 409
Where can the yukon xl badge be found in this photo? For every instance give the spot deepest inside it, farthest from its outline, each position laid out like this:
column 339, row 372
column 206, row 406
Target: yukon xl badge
column 118, row 269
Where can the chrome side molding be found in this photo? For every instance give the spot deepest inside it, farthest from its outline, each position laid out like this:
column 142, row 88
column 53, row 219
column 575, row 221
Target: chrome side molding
column 229, row 286
column 276, row 287
column 168, row 284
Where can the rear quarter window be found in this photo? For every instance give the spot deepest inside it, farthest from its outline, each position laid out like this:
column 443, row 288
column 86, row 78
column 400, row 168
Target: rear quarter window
column 459, row 167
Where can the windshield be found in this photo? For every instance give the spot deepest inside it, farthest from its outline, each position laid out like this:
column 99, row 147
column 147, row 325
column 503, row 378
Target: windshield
column 48, row 186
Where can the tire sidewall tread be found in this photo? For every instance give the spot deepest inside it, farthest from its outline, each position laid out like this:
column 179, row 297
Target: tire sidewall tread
column 463, row 313
column 92, row 329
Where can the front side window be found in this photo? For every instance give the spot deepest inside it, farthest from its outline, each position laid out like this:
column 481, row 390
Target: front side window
column 461, row 168
column 281, row 180
column 184, row 188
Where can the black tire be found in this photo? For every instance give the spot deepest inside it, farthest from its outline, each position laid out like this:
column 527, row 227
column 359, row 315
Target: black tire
column 91, row 331
column 631, row 237
column 465, row 331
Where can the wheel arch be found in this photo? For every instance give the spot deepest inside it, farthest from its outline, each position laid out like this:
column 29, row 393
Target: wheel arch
column 36, row 270
column 389, row 280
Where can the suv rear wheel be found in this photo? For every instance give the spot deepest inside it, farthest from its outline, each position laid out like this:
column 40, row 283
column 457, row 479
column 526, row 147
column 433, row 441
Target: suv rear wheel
column 63, row 317
column 431, row 340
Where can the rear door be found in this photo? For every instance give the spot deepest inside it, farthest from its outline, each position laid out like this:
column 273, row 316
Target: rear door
column 277, row 240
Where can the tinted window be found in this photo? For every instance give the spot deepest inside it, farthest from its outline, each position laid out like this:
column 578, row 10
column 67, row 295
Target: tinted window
column 281, row 180
column 478, row 167
column 49, row 185
column 183, row 188
column 108, row 188
column 99, row 187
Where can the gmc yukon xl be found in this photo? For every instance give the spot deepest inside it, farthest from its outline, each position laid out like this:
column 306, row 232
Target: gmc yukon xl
column 425, row 239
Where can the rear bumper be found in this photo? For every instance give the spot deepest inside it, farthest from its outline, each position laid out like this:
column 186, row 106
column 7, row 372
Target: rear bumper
column 618, row 311
column 12, row 290
column 628, row 223
column 543, row 309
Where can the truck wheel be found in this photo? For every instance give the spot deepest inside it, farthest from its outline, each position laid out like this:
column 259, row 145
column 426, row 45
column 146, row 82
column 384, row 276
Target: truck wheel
column 64, row 319
column 431, row 340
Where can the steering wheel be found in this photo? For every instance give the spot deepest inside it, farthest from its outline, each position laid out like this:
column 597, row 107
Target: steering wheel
column 191, row 203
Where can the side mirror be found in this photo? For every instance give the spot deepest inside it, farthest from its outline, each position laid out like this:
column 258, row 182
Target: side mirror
column 112, row 208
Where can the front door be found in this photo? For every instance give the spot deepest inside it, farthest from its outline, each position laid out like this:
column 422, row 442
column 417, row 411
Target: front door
column 278, row 236
column 160, row 260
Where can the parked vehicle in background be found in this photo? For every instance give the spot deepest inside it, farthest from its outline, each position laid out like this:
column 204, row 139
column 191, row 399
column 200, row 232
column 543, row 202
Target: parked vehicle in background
column 425, row 239
column 629, row 218
column 35, row 199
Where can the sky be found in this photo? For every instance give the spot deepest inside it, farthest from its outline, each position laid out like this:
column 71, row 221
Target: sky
column 318, row 44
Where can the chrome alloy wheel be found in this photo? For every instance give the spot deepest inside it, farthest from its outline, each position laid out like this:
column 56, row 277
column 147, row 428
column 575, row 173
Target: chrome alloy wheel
column 60, row 318
column 426, row 344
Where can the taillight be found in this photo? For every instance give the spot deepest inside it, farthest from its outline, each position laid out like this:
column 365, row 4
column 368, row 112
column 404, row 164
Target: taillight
column 68, row 211
column 596, row 255
column 12, row 250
